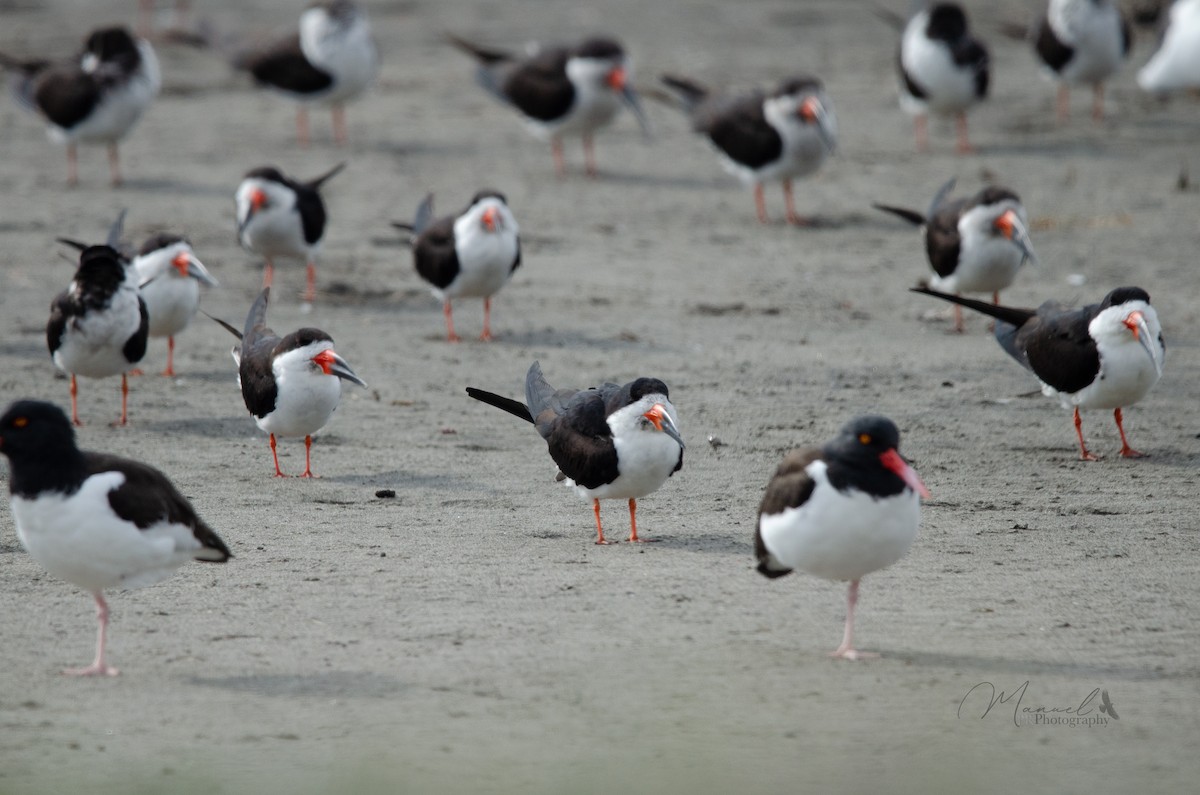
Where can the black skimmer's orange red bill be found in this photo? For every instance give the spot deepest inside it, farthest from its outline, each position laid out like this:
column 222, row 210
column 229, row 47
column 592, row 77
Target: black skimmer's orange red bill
column 169, row 278
column 469, row 255
column 99, row 325
column 1175, row 65
column 561, row 91
column 1101, row 356
column 761, row 137
column 330, row 60
column 291, row 385
column 974, row 245
column 94, row 97
column 280, row 217
column 95, row 520
column 943, row 69
column 841, row 511
column 609, row 442
column 1084, row 42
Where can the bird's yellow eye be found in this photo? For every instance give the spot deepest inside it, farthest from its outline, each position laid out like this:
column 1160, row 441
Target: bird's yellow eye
column 864, row 438
column 20, row 422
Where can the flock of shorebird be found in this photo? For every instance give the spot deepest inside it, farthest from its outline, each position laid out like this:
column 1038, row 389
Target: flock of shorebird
column 839, row 511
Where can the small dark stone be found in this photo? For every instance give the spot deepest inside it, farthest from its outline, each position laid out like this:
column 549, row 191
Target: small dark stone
column 386, row 493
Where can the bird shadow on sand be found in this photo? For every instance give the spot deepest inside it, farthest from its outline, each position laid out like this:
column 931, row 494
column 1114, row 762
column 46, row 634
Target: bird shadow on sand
column 401, row 481
column 711, row 543
column 560, row 338
column 211, row 427
column 658, row 180
column 334, row 684
column 1025, row 668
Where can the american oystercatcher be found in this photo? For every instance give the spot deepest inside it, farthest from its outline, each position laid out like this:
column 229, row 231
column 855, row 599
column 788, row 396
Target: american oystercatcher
column 561, row 91
column 99, row 325
column 943, row 70
column 169, row 278
column 1082, row 41
column 1102, row 356
column 974, row 245
column 1176, row 63
column 94, row 97
column 609, row 442
column 331, row 60
column 471, row 255
column 96, row 520
column 279, row 217
column 762, row 137
column 841, row 511
column 291, row 385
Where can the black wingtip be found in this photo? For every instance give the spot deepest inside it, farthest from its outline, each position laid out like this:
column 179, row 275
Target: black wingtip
column 912, row 216
column 317, row 182
column 75, row 244
column 513, row 407
column 1007, row 314
column 228, row 327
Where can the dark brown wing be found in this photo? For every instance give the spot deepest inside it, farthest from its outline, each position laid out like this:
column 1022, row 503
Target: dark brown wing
column 580, row 441
column 62, row 310
column 66, row 95
column 737, row 126
column 148, row 497
column 538, row 86
column 942, row 241
column 282, row 65
column 1053, row 52
column 790, row 487
column 135, row 346
column 1058, row 348
column 434, row 255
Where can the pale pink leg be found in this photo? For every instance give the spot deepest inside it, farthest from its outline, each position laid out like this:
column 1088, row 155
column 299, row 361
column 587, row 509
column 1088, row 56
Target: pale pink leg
column 760, row 204
column 1064, row 103
column 790, row 205
column 75, row 403
column 449, row 314
column 170, row 357
column 302, row 126
column 486, row 336
column 268, row 273
column 124, row 420
column 339, row 125
column 921, row 128
column 310, row 283
column 847, row 651
column 963, row 147
column 959, row 327
column 589, row 155
column 98, row 666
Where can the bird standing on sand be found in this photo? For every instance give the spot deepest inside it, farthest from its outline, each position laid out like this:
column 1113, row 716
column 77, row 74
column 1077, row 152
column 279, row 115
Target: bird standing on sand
column 292, row 385
column 561, row 91
column 841, row 511
column 95, row 97
column 943, row 70
column 279, row 217
column 974, row 245
column 609, row 442
column 169, row 278
column 1102, row 356
column 760, row 137
column 96, row 520
column 471, row 255
column 330, row 60
column 1082, row 41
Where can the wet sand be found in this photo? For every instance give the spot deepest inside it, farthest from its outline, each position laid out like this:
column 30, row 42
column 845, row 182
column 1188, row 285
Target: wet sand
column 466, row 635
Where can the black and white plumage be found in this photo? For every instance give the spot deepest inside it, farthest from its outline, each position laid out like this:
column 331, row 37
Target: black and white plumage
column 95, row 520
column 330, row 60
column 943, row 70
column 609, row 442
column 94, row 97
column 1175, row 65
column 841, row 511
column 169, row 278
column 561, row 91
column 280, row 217
column 764, row 137
column 1101, row 356
column 99, row 325
column 974, row 245
column 290, row 385
column 469, row 255
column 1085, row 42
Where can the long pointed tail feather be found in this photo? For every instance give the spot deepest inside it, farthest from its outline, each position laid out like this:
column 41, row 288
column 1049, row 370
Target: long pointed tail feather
column 1006, row 314
column 513, row 407
column 912, row 216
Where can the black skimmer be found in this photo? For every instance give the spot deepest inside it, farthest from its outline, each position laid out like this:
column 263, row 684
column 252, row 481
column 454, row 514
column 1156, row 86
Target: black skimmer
column 974, row 245
column 96, row 97
column 1102, row 356
column 762, row 137
column 841, row 511
column 943, row 70
column 1176, row 63
column 169, row 278
column 471, row 255
column 99, row 325
column 561, row 91
column 330, row 60
column 291, row 385
column 1082, row 41
column 609, row 442
column 96, row 520
column 279, row 217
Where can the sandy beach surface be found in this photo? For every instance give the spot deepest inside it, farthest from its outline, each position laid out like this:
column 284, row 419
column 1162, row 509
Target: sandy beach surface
column 466, row 635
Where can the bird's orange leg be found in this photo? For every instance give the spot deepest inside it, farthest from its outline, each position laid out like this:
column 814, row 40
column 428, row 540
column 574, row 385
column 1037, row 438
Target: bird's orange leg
column 1084, row 455
column 275, row 456
column 1126, row 450
column 599, row 530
